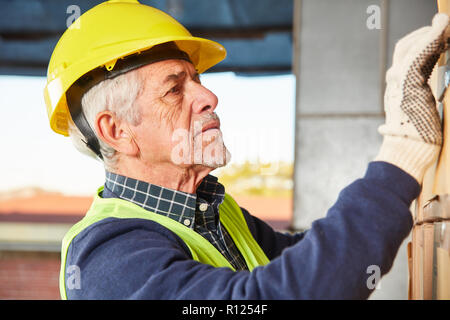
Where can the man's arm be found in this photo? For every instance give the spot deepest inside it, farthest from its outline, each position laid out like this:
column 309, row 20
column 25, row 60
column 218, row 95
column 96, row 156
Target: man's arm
column 136, row 259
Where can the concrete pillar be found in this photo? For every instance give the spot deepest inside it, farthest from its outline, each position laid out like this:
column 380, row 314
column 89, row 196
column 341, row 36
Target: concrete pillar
column 340, row 64
column 341, row 55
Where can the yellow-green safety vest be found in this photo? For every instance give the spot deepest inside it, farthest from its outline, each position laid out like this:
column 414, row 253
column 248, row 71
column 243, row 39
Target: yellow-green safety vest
column 201, row 249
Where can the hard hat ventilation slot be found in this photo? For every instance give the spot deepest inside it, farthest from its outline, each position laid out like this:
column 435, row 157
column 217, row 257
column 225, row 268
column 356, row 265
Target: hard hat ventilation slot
column 110, row 65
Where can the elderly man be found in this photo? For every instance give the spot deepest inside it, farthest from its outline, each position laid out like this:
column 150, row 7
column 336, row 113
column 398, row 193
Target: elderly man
column 124, row 83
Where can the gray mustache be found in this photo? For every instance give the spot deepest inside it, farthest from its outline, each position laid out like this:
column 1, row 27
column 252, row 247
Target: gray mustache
column 208, row 118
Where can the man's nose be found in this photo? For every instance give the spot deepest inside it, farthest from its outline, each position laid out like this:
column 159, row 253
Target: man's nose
column 203, row 99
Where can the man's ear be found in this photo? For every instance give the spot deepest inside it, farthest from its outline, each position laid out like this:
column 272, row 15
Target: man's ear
column 115, row 133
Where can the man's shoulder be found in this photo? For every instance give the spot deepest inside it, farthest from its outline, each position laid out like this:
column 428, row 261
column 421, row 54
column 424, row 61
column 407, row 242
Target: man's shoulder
column 115, row 256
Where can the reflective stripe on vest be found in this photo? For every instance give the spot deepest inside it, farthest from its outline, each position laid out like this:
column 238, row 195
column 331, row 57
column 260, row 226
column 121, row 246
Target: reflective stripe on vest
column 201, row 249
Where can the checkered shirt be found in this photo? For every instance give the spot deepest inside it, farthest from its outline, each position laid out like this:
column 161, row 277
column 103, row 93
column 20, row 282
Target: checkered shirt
column 199, row 211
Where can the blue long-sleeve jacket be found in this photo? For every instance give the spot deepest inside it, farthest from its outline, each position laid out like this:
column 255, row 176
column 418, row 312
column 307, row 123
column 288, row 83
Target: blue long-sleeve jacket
column 140, row 259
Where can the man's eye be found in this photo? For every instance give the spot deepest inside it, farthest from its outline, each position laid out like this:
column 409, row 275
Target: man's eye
column 174, row 90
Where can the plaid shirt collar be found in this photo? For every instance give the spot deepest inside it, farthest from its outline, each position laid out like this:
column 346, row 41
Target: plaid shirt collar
column 177, row 205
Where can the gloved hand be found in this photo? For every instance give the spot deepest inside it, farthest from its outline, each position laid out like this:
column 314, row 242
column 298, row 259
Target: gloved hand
column 412, row 131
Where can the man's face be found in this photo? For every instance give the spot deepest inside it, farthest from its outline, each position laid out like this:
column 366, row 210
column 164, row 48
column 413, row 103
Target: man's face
column 178, row 123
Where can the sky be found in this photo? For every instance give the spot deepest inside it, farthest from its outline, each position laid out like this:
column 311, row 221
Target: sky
column 257, row 122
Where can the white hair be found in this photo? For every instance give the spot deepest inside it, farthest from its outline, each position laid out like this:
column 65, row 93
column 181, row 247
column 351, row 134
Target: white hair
column 117, row 95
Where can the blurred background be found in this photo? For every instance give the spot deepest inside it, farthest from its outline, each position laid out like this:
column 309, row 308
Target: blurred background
column 300, row 100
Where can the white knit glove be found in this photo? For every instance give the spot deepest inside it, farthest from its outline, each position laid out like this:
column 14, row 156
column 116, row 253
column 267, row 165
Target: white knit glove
column 412, row 132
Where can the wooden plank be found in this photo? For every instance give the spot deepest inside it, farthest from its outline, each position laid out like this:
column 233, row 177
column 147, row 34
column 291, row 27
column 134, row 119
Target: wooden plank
column 442, row 179
column 427, row 261
column 433, row 204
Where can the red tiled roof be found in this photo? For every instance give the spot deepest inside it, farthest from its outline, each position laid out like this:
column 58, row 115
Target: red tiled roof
column 44, row 207
column 59, row 208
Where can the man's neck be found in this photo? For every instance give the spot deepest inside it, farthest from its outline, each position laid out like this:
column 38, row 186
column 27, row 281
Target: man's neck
column 186, row 179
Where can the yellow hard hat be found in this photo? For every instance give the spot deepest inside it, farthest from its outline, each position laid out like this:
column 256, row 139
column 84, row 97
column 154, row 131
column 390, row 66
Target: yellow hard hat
column 105, row 35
